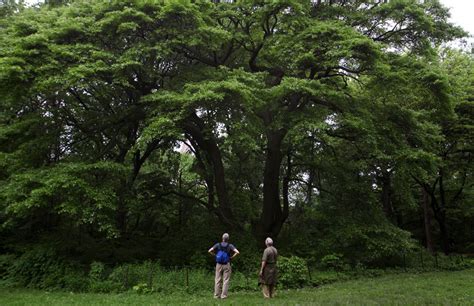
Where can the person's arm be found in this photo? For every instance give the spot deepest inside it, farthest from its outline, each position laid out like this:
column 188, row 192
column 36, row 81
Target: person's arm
column 212, row 251
column 264, row 263
column 236, row 252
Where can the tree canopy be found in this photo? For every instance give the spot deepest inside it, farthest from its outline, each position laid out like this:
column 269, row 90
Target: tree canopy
column 333, row 126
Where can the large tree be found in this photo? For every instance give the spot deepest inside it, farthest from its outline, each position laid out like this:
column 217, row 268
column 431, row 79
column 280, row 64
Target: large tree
column 284, row 61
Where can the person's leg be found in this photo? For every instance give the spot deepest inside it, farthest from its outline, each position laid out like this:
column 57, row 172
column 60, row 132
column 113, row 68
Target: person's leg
column 227, row 272
column 265, row 291
column 218, row 281
column 272, row 290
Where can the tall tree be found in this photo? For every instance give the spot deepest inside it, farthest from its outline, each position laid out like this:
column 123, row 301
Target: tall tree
column 302, row 56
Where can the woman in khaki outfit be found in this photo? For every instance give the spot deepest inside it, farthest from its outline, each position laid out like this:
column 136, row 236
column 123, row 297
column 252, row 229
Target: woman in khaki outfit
column 268, row 270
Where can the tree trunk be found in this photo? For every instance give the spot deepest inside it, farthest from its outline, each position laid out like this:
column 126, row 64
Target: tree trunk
column 444, row 232
column 272, row 216
column 427, row 221
column 387, row 195
column 219, row 182
column 439, row 211
column 440, row 217
column 309, row 190
column 195, row 128
column 121, row 211
column 442, row 214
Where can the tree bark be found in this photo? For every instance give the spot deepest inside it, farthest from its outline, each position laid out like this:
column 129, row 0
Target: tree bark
column 387, row 195
column 440, row 217
column 309, row 190
column 272, row 216
column 427, row 221
column 439, row 212
column 195, row 128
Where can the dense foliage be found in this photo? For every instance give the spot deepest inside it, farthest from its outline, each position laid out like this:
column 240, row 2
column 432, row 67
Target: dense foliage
column 136, row 130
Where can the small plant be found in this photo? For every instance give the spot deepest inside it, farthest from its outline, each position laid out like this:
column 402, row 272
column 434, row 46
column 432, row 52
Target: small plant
column 333, row 262
column 97, row 271
column 142, row 288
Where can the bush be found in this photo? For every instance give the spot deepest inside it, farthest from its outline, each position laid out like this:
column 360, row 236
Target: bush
column 293, row 272
column 5, row 261
column 199, row 260
column 334, row 262
column 76, row 281
column 156, row 278
column 248, row 263
column 241, row 281
column 453, row 262
column 128, row 275
column 42, row 268
column 98, row 281
column 97, row 271
column 105, row 286
column 423, row 260
column 142, row 288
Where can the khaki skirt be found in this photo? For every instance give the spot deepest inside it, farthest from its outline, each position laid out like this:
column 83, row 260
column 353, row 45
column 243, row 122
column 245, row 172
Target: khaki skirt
column 269, row 275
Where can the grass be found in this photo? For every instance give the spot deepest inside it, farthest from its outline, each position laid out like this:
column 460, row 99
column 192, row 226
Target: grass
column 435, row 288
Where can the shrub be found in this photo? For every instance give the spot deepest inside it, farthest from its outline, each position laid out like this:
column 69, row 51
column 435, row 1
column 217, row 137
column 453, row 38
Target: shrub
column 104, row 286
column 76, row 281
column 97, row 271
column 5, row 261
column 453, row 262
column 129, row 275
column 142, row 288
column 42, row 268
column 241, row 281
column 423, row 260
column 293, row 272
column 248, row 263
column 334, row 262
column 98, row 281
column 199, row 260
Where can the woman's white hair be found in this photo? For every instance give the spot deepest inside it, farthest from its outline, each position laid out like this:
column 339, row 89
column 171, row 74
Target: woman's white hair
column 269, row 241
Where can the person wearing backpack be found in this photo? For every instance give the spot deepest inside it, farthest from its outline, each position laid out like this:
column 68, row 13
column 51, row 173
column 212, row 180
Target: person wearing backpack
column 224, row 252
column 268, row 271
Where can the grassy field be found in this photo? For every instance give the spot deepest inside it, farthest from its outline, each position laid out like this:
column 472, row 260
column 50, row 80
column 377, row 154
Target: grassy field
column 436, row 288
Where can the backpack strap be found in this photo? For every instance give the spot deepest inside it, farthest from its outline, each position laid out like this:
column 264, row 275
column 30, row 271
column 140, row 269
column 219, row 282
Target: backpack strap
column 222, row 248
